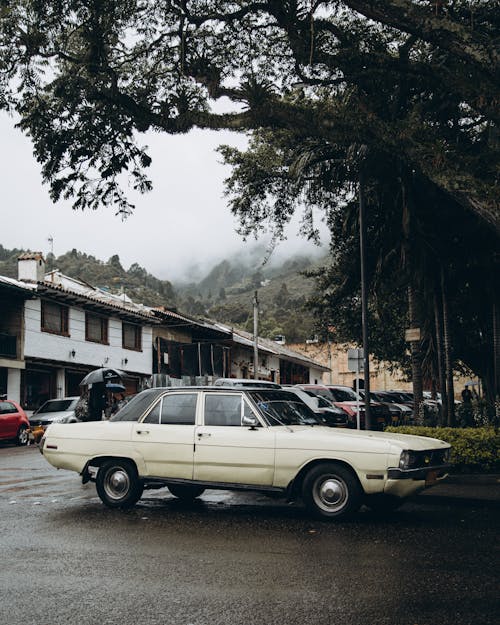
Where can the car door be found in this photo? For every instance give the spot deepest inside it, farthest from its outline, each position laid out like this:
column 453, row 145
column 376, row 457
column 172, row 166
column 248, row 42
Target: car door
column 9, row 420
column 227, row 451
column 165, row 437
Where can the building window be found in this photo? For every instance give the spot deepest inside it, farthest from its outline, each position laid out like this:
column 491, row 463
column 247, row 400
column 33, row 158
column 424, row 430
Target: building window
column 131, row 336
column 55, row 318
column 96, row 329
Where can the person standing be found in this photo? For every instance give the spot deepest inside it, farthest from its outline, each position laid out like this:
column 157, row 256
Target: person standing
column 466, row 395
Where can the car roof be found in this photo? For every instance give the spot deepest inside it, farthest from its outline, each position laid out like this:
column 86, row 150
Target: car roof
column 244, row 382
column 323, row 386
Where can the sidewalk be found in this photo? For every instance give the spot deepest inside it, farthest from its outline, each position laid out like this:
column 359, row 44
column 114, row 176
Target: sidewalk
column 468, row 490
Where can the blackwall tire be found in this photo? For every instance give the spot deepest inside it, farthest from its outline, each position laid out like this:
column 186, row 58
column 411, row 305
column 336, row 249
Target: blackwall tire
column 186, row 492
column 22, row 437
column 331, row 491
column 118, row 485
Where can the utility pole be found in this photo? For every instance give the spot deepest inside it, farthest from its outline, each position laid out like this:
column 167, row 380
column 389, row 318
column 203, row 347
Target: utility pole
column 364, row 289
column 255, row 337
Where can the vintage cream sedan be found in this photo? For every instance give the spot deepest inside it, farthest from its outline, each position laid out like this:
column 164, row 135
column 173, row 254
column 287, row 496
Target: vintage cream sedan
column 266, row 440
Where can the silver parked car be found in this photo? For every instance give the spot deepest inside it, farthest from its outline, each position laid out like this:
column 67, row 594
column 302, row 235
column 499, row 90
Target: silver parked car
column 55, row 411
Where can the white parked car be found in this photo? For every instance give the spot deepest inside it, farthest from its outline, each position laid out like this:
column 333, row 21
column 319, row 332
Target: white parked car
column 266, row 440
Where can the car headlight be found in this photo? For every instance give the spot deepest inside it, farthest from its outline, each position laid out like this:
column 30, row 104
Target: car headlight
column 408, row 460
column 61, row 419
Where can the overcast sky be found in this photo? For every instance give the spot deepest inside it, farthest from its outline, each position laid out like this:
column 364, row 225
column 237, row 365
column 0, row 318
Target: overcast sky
column 182, row 223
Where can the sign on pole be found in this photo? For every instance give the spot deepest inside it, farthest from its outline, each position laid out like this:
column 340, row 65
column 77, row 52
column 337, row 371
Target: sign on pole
column 355, row 362
column 412, row 335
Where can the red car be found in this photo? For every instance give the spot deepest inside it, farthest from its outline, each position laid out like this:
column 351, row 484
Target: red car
column 14, row 424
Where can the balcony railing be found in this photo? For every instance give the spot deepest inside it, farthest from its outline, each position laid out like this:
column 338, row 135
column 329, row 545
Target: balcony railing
column 8, row 345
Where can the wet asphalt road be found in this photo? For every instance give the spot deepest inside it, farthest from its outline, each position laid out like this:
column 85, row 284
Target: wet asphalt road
column 232, row 559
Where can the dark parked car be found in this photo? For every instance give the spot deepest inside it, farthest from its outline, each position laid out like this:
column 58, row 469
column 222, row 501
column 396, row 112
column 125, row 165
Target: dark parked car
column 332, row 415
column 399, row 412
column 350, row 400
column 14, row 424
column 347, row 399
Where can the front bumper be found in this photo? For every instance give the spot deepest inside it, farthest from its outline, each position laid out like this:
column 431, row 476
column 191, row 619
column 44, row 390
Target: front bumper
column 407, row 482
column 420, row 473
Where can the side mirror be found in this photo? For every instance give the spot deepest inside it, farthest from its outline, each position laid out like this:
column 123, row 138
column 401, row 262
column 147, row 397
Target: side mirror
column 250, row 420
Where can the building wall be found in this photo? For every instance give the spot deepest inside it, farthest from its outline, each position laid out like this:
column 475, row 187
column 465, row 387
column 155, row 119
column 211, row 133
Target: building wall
column 335, row 357
column 49, row 346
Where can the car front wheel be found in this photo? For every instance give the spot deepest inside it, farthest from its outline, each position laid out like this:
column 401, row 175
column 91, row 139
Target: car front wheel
column 118, row 485
column 331, row 491
column 186, row 492
column 22, row 436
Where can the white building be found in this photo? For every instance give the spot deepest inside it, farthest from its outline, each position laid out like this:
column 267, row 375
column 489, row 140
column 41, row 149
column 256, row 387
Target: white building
column 69, row 328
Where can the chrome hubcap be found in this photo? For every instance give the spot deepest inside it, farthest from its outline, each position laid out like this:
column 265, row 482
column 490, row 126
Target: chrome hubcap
column 23, row 436
column 116, row 483
column 330, row 493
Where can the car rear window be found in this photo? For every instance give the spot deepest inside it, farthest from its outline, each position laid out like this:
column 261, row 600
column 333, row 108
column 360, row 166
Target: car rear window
column 138, row 405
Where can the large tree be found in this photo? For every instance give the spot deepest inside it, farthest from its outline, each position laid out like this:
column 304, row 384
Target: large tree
column 416, row 83
column 420, row 78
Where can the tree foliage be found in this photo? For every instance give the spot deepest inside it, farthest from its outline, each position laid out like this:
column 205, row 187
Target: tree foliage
column 420, row 78
column 406, row 90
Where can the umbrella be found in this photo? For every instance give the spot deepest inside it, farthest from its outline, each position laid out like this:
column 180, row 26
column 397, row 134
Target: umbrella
column 115, row 388
column 102, row 375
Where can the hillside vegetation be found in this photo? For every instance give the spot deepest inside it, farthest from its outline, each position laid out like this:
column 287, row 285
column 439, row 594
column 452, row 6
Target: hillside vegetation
column 225, row 294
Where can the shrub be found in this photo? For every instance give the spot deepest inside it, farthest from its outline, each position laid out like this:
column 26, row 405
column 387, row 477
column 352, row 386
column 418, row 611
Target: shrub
column 474, row 450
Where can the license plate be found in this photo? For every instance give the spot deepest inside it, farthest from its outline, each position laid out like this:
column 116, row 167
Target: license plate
column 431, row 478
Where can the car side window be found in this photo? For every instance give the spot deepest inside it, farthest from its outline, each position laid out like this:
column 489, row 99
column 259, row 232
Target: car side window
column 179, row 409
column 223, row 409
column 153, row 415
column 7, row 408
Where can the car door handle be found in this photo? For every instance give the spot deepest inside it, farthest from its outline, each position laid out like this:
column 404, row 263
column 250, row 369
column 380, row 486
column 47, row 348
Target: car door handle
column 200, row 434
column 142, row 431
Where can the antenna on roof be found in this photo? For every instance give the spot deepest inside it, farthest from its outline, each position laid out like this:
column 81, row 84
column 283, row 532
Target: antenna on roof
column 50, row 239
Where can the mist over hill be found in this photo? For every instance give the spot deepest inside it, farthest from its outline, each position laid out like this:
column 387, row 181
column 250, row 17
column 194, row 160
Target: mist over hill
column 225, row 293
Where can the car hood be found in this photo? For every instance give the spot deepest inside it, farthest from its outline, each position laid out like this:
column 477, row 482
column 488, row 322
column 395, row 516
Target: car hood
column 45, row 417
column 354, row 439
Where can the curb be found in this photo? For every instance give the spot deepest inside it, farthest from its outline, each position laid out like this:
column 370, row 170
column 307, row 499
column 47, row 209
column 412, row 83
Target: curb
column 460, row 502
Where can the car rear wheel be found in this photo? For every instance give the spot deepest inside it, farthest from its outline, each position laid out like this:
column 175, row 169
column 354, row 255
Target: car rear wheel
column 331, row 491
column 186, row 492
column 22, row 436
column 118, row 485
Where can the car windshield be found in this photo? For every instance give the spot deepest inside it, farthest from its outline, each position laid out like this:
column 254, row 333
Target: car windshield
column 390, row 399
column 343, row 394
column 323, row 402
column 57, row 405
column 282, row 408
column 136, row 407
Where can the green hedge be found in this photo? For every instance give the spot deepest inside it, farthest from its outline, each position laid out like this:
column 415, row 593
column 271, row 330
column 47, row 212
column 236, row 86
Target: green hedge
column 474, row 450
